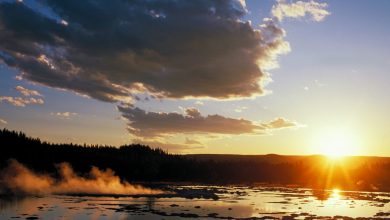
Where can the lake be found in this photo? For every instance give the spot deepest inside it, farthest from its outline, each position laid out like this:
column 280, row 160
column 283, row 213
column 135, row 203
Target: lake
column 205, row 202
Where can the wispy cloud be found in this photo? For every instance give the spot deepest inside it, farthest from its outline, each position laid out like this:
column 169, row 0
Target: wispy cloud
column 66, row 115
column 2, row 121
column 191, row 141
column 199, row 103
column 317, row 11
column 240, row 109
column 21, row 102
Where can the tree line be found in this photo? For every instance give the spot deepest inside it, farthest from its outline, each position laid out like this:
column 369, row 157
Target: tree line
column 136, row 162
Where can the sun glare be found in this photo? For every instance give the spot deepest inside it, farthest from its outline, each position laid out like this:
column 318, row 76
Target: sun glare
column 337, row 145
column 336, row 194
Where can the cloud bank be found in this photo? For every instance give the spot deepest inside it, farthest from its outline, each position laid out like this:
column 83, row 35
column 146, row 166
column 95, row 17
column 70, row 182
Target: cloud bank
column 112, row 50
column 156, row 124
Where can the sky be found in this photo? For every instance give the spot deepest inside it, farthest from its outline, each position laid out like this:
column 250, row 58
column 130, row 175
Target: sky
column 226, row 77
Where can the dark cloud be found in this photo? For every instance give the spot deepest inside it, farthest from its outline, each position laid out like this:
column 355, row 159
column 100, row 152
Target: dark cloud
column 158, row 124
column 152, row 124
column 193, row 112
column 110, row 50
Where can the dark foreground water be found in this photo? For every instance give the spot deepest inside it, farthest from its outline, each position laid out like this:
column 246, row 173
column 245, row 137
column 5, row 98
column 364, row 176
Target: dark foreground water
column 205, row 202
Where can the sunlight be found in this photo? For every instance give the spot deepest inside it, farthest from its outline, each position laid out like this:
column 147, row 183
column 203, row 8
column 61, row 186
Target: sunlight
column 334, row 197
column 337, row 145
column 335, row 193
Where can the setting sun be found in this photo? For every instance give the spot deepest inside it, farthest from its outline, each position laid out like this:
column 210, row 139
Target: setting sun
column 337, row 145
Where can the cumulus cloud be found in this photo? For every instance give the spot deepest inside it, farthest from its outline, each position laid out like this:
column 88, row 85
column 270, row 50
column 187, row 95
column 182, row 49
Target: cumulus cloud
column 158, row 124
column 64, row 114
column 110, row 50
column 2, row 121
column 317, row 11
column 21, row 102
column 27, row 92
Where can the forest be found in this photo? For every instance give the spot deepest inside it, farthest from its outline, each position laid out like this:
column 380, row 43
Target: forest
column 140, row 163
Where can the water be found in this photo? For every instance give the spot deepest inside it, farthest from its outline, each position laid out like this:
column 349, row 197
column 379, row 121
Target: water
column 229, row 202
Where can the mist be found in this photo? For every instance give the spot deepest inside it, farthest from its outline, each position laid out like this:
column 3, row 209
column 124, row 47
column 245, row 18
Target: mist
column 18, row 179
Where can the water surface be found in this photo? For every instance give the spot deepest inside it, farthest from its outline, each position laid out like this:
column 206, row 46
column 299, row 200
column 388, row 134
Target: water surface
column 205, row 202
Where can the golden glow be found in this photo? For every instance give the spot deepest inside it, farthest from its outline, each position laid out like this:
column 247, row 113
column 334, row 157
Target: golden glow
column 336, row 193
column 336, row 145
column 334, row 197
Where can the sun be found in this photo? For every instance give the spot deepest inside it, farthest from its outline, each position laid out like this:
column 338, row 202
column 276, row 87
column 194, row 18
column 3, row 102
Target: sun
column 336, row 145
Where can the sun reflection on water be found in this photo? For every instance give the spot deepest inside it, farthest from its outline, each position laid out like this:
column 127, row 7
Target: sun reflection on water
column 336, row 194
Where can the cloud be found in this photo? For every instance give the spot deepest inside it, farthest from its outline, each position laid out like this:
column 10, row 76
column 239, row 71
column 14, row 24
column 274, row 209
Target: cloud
column 21, row 102
column 240, row 109
column 27, row 92
column 151, row 124
column 19, row 78
column 111, row 50
column 316, row 10
column 144, row 124
column 2, row 121
column 192, row 112
column 192, row 141
column 199, row 103
column 280, row 123
column 64, row 114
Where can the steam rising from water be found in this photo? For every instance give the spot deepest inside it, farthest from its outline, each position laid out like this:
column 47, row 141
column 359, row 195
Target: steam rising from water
column 20, row 180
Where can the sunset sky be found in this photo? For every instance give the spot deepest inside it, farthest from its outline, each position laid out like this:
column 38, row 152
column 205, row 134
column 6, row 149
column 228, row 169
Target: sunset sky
column 232, row 77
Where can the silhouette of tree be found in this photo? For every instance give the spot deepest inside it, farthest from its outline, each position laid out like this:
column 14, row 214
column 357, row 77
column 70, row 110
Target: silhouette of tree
column 136, row 162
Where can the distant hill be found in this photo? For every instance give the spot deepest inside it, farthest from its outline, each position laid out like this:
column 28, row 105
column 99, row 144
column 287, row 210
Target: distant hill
column 269, row 158
column 275, row 158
